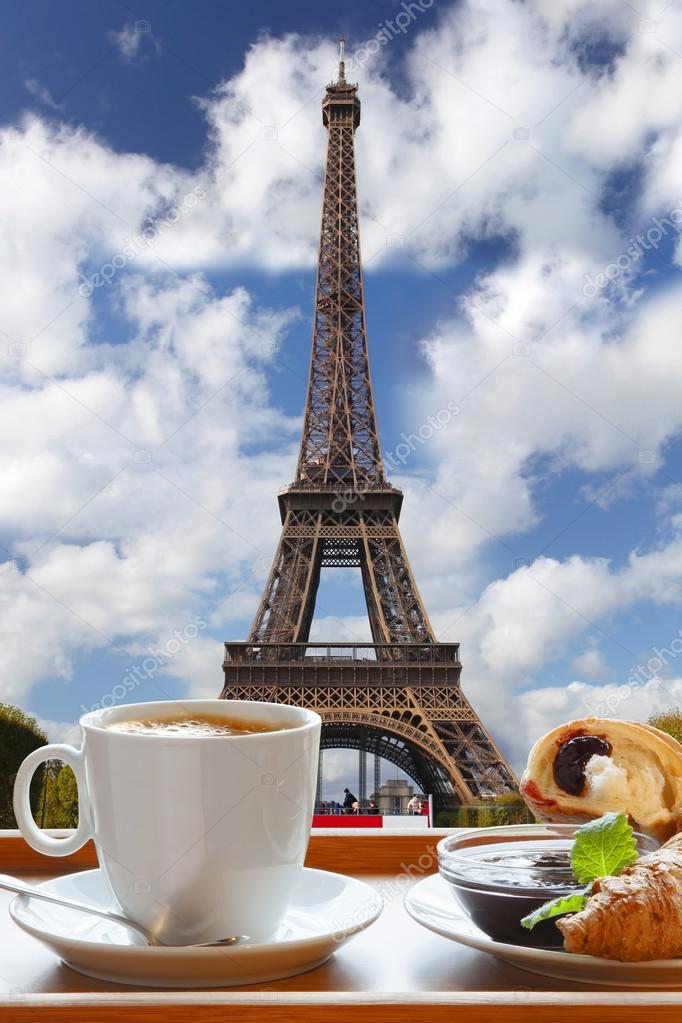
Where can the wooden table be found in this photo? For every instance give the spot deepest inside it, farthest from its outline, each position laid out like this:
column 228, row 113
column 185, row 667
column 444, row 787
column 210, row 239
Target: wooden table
column 395, row 970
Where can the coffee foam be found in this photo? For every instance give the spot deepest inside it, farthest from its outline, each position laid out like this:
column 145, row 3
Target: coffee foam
column 198, row 727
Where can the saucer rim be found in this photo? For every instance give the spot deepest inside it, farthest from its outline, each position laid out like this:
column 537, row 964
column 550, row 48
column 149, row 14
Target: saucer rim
column 235, row 951
column 539, row 957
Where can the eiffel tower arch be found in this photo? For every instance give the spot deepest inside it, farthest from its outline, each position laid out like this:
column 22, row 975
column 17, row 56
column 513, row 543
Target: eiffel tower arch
column 398, row 696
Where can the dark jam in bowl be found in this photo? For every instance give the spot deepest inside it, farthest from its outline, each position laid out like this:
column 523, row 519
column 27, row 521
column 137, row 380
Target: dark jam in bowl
column 499, row 875
column 501, row 883
column 515, row 865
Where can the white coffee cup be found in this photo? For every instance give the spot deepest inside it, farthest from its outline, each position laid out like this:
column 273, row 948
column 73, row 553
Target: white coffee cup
column 200, row 837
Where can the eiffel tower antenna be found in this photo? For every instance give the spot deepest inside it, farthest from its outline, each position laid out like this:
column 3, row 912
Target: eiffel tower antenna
column 398, row 697
column 342, row 65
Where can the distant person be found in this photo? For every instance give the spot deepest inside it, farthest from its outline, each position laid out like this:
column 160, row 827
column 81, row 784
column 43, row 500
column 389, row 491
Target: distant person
column 356, row 806
column 414, row 806
column 373, row 808
column 348, row 800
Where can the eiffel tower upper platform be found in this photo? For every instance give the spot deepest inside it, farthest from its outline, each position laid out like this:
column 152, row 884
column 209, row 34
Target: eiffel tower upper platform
column 398, row 697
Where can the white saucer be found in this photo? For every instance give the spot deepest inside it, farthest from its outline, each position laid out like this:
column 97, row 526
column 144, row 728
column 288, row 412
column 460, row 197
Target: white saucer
column 325, row 911
column 432, row 904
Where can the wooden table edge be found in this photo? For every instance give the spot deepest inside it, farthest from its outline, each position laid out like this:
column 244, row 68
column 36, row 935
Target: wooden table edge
column 346, row 850
column 225, row 997
column 304, row 1007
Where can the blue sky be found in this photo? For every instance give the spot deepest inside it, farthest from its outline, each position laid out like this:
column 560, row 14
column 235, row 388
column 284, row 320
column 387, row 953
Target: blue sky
column 149, row 106
column 508, row 155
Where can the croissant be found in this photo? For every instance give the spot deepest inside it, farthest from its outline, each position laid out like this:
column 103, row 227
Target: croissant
column 635, row 916
column 588, row 767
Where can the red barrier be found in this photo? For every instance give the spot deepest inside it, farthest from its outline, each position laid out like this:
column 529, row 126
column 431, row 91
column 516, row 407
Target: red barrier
column 361, row 820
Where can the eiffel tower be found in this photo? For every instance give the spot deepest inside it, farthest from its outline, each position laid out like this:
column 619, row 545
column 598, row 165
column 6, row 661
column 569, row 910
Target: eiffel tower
column 398, row 697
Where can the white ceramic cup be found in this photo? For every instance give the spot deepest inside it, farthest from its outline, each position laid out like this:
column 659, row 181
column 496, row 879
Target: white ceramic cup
column 200, row 837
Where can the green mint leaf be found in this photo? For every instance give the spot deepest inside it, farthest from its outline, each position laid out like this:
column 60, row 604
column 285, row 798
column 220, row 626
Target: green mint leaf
column 557, row 907
column 602, row 847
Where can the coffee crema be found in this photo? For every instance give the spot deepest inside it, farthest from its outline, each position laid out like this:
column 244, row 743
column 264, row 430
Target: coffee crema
column 195, row 726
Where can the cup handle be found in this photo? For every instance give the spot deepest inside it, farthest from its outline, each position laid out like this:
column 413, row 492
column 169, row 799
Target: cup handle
column 36, row 838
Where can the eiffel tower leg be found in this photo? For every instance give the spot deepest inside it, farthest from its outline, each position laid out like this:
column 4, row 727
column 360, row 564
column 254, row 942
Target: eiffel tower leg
column 395, row 608
column 320, row 781
column 470, row 746
column 286, row 608
column 362, row 775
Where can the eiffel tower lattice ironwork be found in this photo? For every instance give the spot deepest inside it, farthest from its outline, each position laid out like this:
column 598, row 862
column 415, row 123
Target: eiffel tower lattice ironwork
column 398, row 696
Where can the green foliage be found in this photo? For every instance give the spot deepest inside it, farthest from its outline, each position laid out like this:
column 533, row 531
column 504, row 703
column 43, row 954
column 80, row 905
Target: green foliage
column 669, row 721
column 508, row 809
column 602, row 847
column 19, row 736
column 60, row 797
column 54, row 794
column 557, row 907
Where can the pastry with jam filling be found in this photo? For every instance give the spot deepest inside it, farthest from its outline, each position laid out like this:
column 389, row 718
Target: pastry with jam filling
column 591, row 766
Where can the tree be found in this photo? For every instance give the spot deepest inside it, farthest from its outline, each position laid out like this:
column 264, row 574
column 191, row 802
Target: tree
column 59, row 801
column 19, row 736
column 669, row 721
column 507, row 809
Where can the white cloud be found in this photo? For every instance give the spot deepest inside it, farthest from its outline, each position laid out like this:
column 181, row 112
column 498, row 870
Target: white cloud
column 522, row 624
column 590, row 663
column 41, row 92
column 127, row 488
column 345, row 629
column 130, row 39
column 578, row 400
column 544, row 708
column 640, row 99
column 61, row 731
column 65, row 199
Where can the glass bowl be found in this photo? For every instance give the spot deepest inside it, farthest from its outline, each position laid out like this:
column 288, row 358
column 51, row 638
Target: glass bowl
column 498, row 875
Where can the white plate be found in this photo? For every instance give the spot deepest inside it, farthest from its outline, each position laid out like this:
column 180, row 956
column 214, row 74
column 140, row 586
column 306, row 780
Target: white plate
column 432, row 904
column 325, row 911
